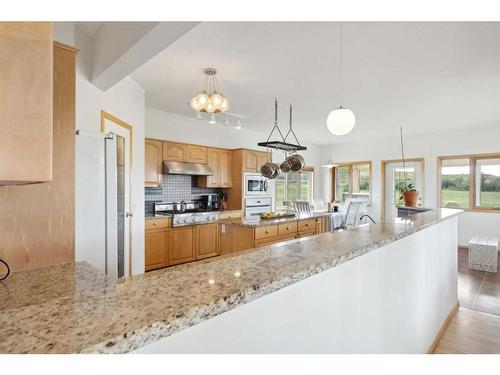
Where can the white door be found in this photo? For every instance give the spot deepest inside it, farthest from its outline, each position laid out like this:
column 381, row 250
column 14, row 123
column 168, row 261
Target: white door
column 395, row 176
column 123, row 165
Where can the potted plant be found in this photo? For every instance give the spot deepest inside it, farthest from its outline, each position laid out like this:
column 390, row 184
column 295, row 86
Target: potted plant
column 409, row 195
column 407, row 191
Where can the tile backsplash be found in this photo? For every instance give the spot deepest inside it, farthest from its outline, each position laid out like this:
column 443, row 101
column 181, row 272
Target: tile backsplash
column 175, row 188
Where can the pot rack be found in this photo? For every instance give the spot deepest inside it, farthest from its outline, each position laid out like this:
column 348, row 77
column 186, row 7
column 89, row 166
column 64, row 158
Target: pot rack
column 282, row 144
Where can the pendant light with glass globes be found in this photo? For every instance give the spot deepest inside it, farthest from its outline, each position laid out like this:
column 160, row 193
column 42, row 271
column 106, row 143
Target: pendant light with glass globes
column 340, row 121
column 210, row 98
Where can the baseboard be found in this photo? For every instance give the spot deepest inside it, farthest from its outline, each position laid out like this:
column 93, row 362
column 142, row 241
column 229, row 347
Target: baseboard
column 443, row 328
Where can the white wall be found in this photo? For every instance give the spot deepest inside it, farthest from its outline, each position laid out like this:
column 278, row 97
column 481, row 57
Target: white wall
column 473, row 140
column 165, row 125
column 125, row 100
column 391, row 300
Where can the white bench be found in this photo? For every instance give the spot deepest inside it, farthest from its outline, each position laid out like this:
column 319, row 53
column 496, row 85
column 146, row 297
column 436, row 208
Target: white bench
column 483, row 253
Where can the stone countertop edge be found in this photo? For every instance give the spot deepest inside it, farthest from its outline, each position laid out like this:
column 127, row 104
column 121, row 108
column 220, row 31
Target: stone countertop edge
column 159, row 330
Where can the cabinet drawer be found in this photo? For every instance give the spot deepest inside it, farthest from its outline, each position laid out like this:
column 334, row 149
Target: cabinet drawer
column 266, row 232
column 229, row 215
column 163, row 222
column 306, row 225
column 287, row 228
column 274, row 240
column 305, row 233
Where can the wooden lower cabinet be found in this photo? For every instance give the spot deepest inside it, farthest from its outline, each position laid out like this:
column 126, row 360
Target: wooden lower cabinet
column 156, row 249
column 207, row 241
column 182, row 245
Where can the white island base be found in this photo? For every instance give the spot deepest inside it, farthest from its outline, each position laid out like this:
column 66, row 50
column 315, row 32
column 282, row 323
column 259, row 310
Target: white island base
column 394, row 299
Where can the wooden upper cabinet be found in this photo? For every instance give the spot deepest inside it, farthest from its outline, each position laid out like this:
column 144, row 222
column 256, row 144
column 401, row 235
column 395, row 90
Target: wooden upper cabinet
column 213, row 161
column 153, row 157
column 196, row 154
column 26, row 83
column 173, row 151
column 225, row 169
column 207, row 240
column 182, row 245
column 156, row 249
column 251, row 161
column 219, row 160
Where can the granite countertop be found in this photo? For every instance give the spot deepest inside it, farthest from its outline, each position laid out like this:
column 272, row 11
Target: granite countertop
column 72, row 308
column 257, row 222
column 415, row 208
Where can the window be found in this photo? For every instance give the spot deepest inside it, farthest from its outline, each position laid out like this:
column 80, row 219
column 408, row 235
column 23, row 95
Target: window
column 291, row 186
column 470, row 182
column 352, row 180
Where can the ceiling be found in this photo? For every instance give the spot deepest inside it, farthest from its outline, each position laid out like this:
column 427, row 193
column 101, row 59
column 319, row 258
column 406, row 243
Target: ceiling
column 90, row 28
column 424, row 76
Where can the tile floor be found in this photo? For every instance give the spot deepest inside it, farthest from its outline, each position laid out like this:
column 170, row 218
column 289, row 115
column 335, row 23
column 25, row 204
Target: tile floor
column 478, row 290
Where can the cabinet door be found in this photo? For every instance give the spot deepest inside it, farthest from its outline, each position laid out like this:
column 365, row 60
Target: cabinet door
column 155, row 248
column 225, row 169
column 174, row 151
column 207, row 240
column 26, row 102
column 181, row 249
column 213, row 161
column 153, row 157
column 251, row 161
column 196, row 154
column 264, row 157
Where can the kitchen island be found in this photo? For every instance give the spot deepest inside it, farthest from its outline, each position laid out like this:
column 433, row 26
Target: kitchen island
column 382, row 288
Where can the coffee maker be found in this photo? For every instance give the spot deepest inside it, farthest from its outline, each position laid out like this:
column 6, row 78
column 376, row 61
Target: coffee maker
column 210, row 202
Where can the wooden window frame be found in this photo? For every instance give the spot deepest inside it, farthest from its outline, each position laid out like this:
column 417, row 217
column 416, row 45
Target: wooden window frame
column 473, row 158
column 305, row 169
column 382, row 181
column 350, row 165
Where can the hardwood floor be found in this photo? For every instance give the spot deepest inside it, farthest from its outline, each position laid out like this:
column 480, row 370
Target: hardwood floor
column 471, row 332
column 475, row 328
column 478, row 290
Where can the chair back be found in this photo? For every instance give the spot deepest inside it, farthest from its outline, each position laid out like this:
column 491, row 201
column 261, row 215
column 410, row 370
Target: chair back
column 351, row 218
column 301, row 206
column 319, row 205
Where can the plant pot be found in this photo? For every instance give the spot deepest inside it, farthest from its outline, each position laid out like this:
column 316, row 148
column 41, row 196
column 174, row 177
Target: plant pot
column 410, row 198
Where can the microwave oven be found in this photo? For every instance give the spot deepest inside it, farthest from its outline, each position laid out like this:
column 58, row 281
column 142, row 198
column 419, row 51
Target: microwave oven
column 255, row 184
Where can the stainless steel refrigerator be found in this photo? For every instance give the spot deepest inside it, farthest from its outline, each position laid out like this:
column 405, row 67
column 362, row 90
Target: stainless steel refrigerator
column 100, row 205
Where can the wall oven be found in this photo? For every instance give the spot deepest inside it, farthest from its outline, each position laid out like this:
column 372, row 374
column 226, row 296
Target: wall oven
column 255, row 184
column 256, row 206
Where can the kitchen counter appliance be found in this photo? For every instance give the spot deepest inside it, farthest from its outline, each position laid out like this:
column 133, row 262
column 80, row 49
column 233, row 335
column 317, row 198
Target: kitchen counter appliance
column 256, row 185
column 256, row 206
column 186, row 213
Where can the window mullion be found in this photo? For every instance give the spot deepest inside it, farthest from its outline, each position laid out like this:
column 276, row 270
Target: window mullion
column 472, row 183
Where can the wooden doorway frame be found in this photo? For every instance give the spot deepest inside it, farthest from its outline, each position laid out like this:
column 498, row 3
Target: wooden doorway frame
column 382, row 176
column 108, row 116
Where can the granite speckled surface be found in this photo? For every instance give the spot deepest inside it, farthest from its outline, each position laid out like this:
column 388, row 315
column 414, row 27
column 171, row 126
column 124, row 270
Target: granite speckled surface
column 72, row 308
column 257, row 222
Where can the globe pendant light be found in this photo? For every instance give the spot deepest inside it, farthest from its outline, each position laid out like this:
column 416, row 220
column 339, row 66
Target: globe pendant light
column 210, row 99
column 340, row 121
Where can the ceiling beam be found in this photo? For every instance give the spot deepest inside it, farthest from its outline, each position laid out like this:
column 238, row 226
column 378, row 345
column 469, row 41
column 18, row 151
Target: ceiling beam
column 119, row 48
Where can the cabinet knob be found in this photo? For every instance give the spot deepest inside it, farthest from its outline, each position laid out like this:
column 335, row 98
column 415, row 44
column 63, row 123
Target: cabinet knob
column 307, row 225
column 267, row 232
column 154, row 224
column 287, row 228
